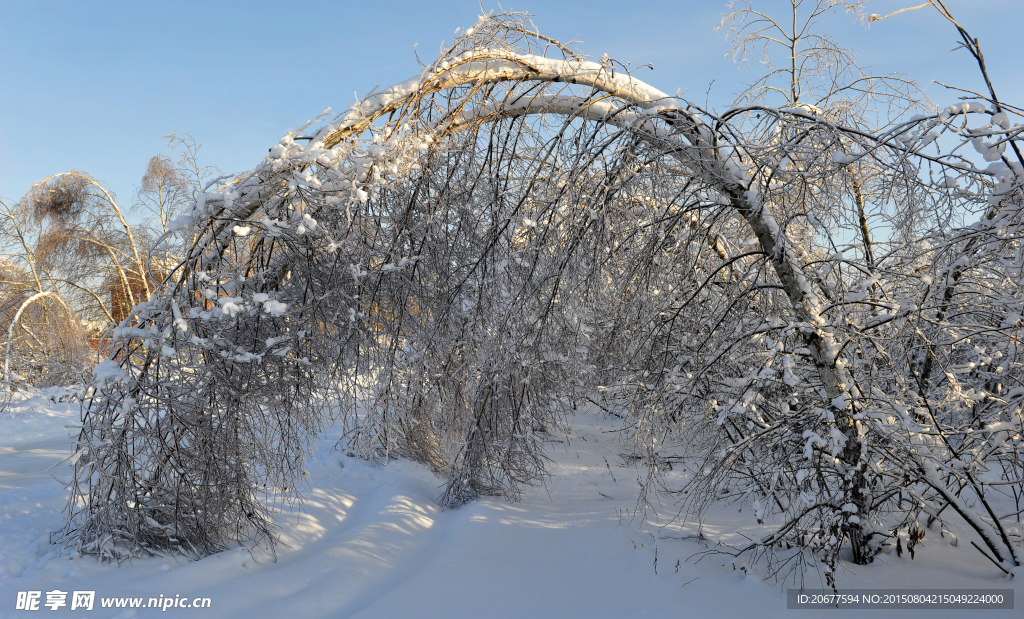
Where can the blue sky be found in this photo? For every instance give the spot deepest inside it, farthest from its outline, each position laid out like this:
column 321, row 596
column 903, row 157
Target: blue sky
column 93, row 86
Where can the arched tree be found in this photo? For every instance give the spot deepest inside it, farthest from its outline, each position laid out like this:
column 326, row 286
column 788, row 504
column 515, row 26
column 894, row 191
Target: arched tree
column 458, row 259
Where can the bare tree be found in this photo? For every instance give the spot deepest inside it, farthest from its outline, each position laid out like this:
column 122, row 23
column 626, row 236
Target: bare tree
column 44, row 343
column 74, row 264
column 89, row 231
column 165, row 192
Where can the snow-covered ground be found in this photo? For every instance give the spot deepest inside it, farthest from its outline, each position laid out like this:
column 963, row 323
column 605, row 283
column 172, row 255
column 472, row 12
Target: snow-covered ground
column 371, row 542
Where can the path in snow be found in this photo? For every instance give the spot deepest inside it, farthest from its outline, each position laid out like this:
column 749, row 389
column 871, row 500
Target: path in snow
column 371, row 542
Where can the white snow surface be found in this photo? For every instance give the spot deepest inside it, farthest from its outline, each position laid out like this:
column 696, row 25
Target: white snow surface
column 371, row 542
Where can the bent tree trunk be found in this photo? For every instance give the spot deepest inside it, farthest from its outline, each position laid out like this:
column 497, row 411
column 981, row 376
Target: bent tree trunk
column 835, row 381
